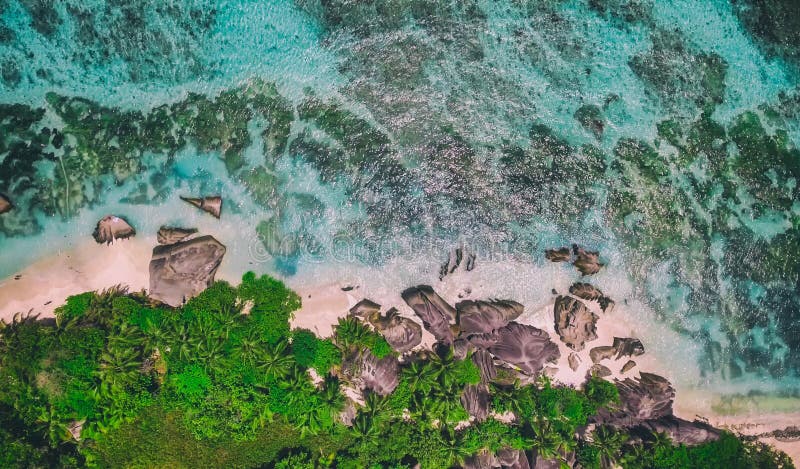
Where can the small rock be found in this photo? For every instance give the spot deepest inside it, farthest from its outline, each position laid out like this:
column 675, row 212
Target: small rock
column 628, row 347
column 456, row 258
column 348, row 288
column 550, row 371
column 574, row 361
column 589, row 292
column 557, row 255
column 628, row 366
column 212, row 204
column 171, row 235
column 587, row 262
column 112, row 227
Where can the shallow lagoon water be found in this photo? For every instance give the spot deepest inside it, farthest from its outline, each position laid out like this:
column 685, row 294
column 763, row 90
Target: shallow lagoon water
column 412, row 127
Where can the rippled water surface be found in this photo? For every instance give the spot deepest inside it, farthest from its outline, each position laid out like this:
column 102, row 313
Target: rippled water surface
column 378, row 134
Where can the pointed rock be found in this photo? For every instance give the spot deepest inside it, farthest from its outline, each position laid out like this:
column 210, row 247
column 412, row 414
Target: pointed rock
column 112, row 227
column 171, row 235
column 483, row 360
column 365, row 308
column 212, row 204
column 587, row 262
column 435, row 313
column 574, row 322
column 182, row 270
column 475, row 398
column 589, row 292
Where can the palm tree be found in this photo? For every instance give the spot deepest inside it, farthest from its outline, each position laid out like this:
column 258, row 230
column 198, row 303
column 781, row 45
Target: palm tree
column 609, row 443
column 57, row 432
column 421, row 376
column 249, row 348
column 456, row 451
column 119, row 366
column 546, row 441
column 364, row 428
column 275, row 361
column 349, row 331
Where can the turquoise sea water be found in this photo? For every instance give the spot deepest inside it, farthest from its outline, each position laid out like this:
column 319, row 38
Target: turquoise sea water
column 374, row 135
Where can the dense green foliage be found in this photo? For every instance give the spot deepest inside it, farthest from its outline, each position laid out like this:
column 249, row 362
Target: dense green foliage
column 119, row 381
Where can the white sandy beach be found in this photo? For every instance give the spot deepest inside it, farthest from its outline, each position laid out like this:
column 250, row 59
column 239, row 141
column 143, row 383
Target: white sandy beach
column 44, row 285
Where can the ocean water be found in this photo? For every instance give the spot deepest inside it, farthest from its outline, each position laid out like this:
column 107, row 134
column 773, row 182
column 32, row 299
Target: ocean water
column 359, row 141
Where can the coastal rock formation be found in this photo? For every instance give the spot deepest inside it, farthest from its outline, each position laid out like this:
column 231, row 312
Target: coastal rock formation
column 483, row 360
column 5, row 204
column 486, row 316
column 475, row 400
column 523, row 346
column 558, row 255
column 379, row 375
column 628, row 366
column 680, row 431
column 182, row 270
column 628, row 347
column 435, row 313
column 485, row 459
column 212, row 204
column 110, row 228
column 587, row 262
column 365, row 308
column 171, row 235
column 401, row 333
column 574, row 322
column 455, row 259
column 599, row 370
column 589, row 292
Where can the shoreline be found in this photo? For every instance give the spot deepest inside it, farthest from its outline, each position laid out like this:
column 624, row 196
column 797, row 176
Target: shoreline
column 90, row 266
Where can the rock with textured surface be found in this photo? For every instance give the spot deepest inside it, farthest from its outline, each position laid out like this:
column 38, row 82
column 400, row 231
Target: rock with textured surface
column 558, row 255
column 587, row 262
column 599, row 371
column 484, row 459
column 647, row 397
column 486, row 316
column 435, row 313
column 401, row 333
column 475, row 400
column 212, row 204
column 171, row 235
column 627, row 347
column 485, row 363
column 523, row 346
column 182, row 270
column 112, row 227
column 5, row 204
column 574, row 322
column 379, row 375
column 589, row 292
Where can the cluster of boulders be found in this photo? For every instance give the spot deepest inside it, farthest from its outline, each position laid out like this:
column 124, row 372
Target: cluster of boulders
column 587, row 262
column 182, row 266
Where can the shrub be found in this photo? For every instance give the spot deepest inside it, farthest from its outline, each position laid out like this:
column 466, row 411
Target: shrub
column 75, row 307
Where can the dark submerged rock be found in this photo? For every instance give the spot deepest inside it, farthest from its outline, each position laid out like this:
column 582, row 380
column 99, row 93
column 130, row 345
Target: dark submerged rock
column 171, row 235
column 211, row 204
column 486, row 316
column 112, row 227
column 587, row 262
column 558, row 255
column 456, row 258
column 182, row 270
column 523, row 346
column 574, row 323
column 435, row 313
